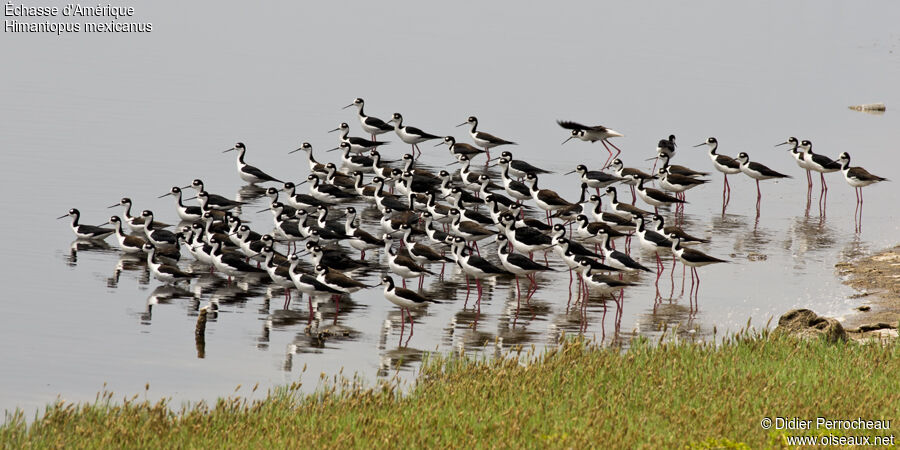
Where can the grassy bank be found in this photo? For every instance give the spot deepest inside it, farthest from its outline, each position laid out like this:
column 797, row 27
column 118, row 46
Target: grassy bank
column 652, row 395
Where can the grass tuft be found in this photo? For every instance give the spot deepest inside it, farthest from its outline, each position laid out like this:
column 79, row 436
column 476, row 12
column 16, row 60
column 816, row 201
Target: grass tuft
column 667, row 393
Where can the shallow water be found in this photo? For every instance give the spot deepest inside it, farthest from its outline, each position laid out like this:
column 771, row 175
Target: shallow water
column 87, row 119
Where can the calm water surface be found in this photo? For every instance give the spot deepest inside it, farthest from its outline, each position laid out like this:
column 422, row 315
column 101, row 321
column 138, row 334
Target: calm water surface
column 87, row 119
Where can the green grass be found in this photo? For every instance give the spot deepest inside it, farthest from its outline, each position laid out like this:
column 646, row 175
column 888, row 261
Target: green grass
column 671, row 394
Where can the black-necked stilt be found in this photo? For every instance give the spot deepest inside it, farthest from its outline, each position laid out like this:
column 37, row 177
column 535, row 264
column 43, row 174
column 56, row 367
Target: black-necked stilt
column 468, row 177
column 421, row 175
column 421, row 253
column 197, row 245
column 459, row 149
column 359, row 238
column 674, row 231
column 363, row 190
column 275, row 206
column 518, row 264
column 622, row 209
column 387, row 201
column 471, row 231
column 166, row 273
column 156, row 236
column 857, row 177
column 800, row 158
column 404, row 298
column 357, row 144
column 664, row 148
column 337, row 178
column 406, row 182
column 484, row 184
column 136, row 223
column 545, row 198
column 758, row 172
column 439, row 212
column 436, row 236
column 595, row 178
column 230, row 263
column 252, row 244
column 693, row 259
column 475, row 266
column 819, row 163
column 633, row 176
column 314, row 166
column 307, row 283
column 617, row 259
column 186, row 213
column 214, row 201
column 353, row 161
column 287, row 229
column 559, row 239
column 519, row 168
column 561, row 247
column 725, row 164
column 592, row 134
column 128, row 244
column 371, row 125
column 328, row 229
column 652, row 241
column 656, row 197
column 277, row 272
column 590, row 232
column 455, row 198
column 521, row 221
column 299, row 200
column 379, row 167
column 598, row 282
column 410, row 135
column 446, row 190
column 401, row 263
column 619, row 222
column 327, row 193
column 516, row 189
column 484, row 140
column 676, row 183
column 333, row 259
column 524, row 239
column 391, row 221
column 247, row 172
column 337, row 280
column 675, row 169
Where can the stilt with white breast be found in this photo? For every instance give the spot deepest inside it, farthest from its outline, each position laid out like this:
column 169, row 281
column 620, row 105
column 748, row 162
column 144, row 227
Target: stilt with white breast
column 136, row 223
column 819, row 163
column 186, row 213
column 248, row 173
column 88, row 232
column 858, row 178
column 546, row 199
column 166, row 273
column 800, row 158
column 656, row 197
column 357, row 144
column 519, row 264
column 725, row 164
column 371, row 125
column 592, row 134
column 404, row 298
column 484, row 140
column 758, row 172
column 410, row 135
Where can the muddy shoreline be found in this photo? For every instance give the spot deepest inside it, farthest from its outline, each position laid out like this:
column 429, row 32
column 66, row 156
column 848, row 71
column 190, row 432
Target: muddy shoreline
column 877, row 280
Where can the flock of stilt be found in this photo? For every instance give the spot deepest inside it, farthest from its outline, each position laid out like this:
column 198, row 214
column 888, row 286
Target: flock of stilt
column 431, row 218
